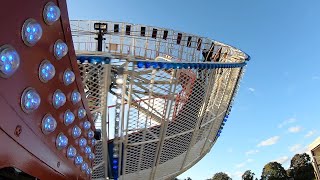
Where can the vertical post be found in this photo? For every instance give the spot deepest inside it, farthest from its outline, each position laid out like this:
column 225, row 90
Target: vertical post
column 105, row 121
column 102, row 29
column 100, row 39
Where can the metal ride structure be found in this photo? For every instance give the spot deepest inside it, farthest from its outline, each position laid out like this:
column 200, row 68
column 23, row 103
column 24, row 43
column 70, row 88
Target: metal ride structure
column 99, row 100
column 160, row 97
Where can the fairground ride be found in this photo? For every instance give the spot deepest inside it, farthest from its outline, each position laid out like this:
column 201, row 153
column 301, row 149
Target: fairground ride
column 107, row 100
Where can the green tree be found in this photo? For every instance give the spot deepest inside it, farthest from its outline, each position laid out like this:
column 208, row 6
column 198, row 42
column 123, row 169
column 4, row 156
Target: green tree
column 301, row 167
column 221, row 176
column 273, row 171
column 248, row 175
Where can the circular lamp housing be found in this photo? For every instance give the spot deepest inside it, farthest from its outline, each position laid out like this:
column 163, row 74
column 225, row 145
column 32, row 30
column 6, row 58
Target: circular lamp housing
column 51, row 13
column 31, row 32
column 46, row 71
column 30, row 100
column 9, row 61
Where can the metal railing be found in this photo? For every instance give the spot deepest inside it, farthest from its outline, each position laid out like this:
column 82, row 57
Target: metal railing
column 163, row 131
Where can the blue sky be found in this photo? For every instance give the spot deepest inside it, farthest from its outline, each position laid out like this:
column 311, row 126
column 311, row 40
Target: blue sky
column 276, row 112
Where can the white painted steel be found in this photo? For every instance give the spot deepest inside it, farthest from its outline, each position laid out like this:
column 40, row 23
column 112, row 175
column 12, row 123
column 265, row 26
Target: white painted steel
column 170, row 118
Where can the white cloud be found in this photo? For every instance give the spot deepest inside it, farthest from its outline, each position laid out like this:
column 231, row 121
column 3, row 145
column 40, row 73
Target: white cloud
column 240, row 165
column 251, row 89
column 295, row 148
column 282, row 159
column 288, row 121
column 249, row 160
column 269, row 141
column 315, row 77
column 303, row 149
column 253, row 151
column 310, row 133
column 299, row 149
column 294, row 129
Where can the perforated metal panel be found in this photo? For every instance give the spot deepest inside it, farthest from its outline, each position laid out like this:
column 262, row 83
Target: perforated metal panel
column 171, row 111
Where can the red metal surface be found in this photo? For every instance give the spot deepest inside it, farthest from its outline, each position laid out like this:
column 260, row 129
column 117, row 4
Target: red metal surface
column 22, row 143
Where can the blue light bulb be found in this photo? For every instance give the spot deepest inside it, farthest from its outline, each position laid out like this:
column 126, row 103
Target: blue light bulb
column 78, row 160
column 87, row 150
column 49, row 124
column 89, row 171
column 76, row 132
column 148, row 64
column 75, row 97
column 31, row 32
column 81, row 113
column 59, row 99
column 90, row 134
column 51, row 13
column 86, row 125
column 68, row 117
column 46, row 71
column 84, row 166
column 9, row 60
column 71, row 152
column 91, row 156
column 61, row 141
column 82, row 142
column 93, row 142
column 154, row 65
column 68, row 77
column 30, row 100
column 140, row 64
column 60, row 49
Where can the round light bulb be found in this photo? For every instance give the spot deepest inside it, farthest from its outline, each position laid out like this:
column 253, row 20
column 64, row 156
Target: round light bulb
column 84, row 166
column 68, row 77
column 9, row 61
column 86, row 125
column 51, row 13
column 46, row 71
column 119, row 80
column 75, row 97
column 91, row 156
column 78, row 160
column 82, row 142
column 49, row 124
column 76, row 132
column 31, row 32
column 60, row 49
column 93, row 142
column 115, row 155
column 30, row 100
column 81, row 113
column 89, row 172
column 59, row 99
column 68, row 117
column 71, row 152
column 90, row 134
column 87, row 149
column 61, row 141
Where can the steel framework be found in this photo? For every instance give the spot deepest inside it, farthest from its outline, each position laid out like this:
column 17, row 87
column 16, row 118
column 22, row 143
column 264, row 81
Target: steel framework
column 176, row 95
